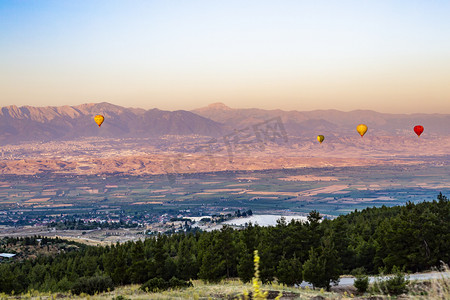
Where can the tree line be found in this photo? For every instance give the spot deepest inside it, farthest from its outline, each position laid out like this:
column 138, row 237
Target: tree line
column 413, row 237
column 82, row 225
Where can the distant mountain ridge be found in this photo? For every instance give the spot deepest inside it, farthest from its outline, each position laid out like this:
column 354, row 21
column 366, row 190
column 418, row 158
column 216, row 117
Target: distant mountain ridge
column 28, row 123
column 329, row 122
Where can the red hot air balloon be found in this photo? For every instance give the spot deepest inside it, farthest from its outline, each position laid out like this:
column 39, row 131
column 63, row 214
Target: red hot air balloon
column 418, row 129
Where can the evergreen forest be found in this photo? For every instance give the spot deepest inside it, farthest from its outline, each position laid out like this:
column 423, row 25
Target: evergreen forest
column 412, row 238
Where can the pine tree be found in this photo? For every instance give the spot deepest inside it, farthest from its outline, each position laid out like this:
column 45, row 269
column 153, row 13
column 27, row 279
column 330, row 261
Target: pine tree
column 186, row 264
column 289, row 271
column 138, row 270
column 159, row 256
column 323, row 266
column 226, row 250
column 314, row 270
column 212, row 268
column 245, row 266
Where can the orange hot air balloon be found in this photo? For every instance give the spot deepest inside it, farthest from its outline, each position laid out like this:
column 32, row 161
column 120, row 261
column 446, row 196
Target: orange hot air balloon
column 320, row 138
column 418, row 129
column 99, row 120
column 362, row 129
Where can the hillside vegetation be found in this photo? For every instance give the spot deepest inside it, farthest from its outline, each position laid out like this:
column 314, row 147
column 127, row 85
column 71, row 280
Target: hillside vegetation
column 412, row 238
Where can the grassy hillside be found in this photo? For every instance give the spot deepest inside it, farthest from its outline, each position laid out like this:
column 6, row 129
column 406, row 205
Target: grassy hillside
column 235, row 289
column 410, row 238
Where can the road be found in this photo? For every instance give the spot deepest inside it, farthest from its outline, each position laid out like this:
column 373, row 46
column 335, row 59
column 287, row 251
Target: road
column 347, row 281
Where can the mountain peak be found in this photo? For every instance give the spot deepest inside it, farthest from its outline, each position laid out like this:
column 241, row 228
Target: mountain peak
column 218, row 106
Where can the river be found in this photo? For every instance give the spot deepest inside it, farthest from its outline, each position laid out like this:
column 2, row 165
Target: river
column 263, row 220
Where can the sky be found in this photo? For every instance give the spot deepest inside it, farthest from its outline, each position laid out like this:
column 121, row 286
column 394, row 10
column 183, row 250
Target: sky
column 387, row 56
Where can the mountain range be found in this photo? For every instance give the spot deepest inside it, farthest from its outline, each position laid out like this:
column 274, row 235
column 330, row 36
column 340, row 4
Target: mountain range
column 329, row 122
column 28, row 123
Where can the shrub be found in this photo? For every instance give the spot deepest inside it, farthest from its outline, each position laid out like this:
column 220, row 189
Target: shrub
column 64, row 285
column 92, row 285
column 155, row 285
column 158, row 284
column 358, row 271
column 396, row 285
column 120, row 297
column 393, row 285
column 178, row 283
column 361, row 283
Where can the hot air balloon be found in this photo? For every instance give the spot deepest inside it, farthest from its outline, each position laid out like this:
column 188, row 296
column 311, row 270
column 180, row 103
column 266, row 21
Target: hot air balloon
column 362, row 129
column 99, row 120
column 418, row 129
column 320, row 138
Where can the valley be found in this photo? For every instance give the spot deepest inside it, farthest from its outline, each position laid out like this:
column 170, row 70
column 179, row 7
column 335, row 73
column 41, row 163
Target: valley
column 209, row 163
column 146, row 199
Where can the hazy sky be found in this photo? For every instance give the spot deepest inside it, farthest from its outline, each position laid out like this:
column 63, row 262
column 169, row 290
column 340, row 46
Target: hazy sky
column 389, row 56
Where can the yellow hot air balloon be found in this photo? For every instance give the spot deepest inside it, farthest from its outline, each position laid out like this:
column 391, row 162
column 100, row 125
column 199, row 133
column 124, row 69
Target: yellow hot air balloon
column 361, row 128
column 99, row 120
column 320, row 138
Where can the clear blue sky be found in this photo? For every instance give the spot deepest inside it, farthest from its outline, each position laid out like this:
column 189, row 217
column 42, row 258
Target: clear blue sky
column 389, row 56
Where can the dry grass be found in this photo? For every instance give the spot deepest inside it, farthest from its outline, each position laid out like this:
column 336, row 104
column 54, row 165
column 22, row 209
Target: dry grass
column 234, row 289
column 432, row 289
column 227, row 289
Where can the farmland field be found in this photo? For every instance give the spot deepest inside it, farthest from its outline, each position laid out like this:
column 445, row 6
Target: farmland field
column 330, row 190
